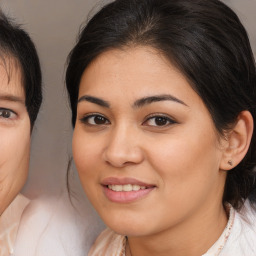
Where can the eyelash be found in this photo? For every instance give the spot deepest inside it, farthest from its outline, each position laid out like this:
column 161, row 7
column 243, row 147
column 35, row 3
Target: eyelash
column 162, row 118
column 85, row 119
column 12, row 114
column 167, row 121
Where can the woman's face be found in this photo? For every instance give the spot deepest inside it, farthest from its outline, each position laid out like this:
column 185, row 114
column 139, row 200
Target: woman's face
column 144, row 144
column 15, row 134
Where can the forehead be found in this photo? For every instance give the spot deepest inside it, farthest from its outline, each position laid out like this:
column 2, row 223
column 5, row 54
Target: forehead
column 131, row 63
column 139, row 70
column 11, row 81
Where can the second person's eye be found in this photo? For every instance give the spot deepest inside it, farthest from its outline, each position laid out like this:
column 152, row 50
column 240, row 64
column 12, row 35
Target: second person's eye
column 7, row 113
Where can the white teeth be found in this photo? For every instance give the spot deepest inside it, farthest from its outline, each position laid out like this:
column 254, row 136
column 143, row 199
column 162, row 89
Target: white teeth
column 126, row 188
column 136, row 187
column 117, row 187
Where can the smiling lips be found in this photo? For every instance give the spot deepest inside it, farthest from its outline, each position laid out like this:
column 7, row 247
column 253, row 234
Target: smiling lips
column 125, row 190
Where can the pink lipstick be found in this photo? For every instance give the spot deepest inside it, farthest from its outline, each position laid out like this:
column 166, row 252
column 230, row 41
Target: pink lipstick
column 125, row 190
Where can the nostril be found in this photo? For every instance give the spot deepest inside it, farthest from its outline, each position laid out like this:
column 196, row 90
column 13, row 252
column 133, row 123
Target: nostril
column 119, row 163
column 122, row 160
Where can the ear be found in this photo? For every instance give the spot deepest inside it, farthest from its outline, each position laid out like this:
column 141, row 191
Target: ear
column 237, row 141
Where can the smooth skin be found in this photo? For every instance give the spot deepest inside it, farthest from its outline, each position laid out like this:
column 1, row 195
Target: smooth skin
column 15, row 133
column 138, row 118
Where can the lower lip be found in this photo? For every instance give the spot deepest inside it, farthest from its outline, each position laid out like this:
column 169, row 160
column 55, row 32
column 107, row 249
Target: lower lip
column 125, row 196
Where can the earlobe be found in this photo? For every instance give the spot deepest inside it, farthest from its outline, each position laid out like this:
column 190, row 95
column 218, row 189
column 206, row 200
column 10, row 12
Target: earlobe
column 238, row 141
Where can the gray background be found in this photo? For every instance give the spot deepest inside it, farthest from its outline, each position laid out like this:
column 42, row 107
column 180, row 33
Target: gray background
column 53, row 25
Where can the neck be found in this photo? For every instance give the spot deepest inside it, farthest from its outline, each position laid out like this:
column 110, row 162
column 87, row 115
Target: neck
column 192, row 238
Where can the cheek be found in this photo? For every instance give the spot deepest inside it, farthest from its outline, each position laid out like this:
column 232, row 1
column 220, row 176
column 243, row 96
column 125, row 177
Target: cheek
column 15, row 146
column 88, row 164
column 185, row 164
column 14, row 161
column 188, row 174
column 85, row 155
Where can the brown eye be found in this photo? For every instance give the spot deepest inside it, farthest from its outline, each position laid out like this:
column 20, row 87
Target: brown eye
column 99, row 120
column 95, row 120
column 159, row 121
column 6, row 113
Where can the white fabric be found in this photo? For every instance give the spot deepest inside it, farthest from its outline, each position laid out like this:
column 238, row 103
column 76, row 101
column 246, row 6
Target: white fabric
column 242, row 240
column 9, row 224
column 53, row 227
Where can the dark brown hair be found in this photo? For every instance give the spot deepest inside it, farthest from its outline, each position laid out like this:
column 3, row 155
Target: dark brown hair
column 208, row 44
column 16, row 44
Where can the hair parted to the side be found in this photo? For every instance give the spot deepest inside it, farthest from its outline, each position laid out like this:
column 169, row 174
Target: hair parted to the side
column 16, row 45
column 208, row 44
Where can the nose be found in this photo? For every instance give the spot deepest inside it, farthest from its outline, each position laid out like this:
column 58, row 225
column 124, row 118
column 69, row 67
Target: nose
column 123, row 148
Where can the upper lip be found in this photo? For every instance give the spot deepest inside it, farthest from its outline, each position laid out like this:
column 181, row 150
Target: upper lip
column 124, row 181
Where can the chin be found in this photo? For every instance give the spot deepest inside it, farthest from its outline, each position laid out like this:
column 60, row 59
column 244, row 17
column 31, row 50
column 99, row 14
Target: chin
column 125, row 225
column 127, row 230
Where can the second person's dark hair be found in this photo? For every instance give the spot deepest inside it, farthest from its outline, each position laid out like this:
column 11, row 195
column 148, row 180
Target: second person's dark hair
column 16, row 44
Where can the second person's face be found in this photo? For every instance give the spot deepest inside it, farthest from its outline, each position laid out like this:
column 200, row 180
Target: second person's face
column 144, row 144
column 15, row 134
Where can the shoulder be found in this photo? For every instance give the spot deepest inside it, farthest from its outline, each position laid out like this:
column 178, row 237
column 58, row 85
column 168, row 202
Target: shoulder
column 51, row 225
column 242, row 238
column 10, row 222
column 108, row 244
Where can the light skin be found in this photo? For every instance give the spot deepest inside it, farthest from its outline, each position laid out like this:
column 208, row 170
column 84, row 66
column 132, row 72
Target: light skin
column 139, row 122
column 15, row 134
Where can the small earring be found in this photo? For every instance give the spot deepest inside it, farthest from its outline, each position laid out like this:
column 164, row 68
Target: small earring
column 230, row 162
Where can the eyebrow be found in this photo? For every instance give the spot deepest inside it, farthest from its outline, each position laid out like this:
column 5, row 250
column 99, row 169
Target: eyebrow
column 12, row 98
column 137, row 104
column 156, row 98
column 94, row 100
